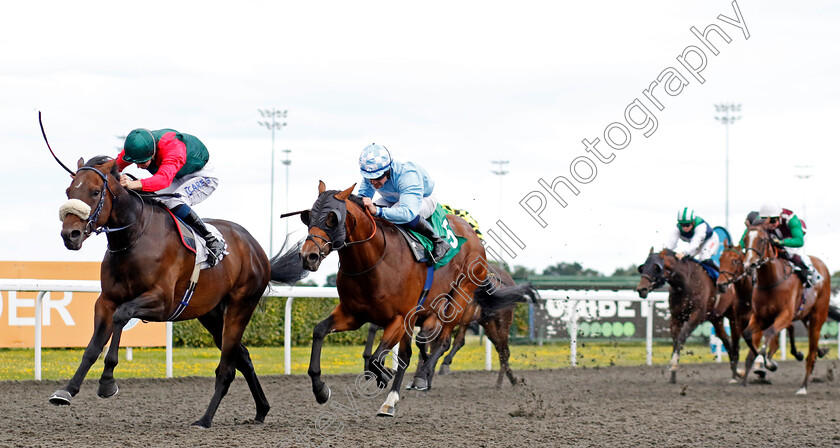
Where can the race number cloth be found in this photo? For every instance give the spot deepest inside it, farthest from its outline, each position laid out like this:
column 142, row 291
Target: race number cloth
column 441, row 225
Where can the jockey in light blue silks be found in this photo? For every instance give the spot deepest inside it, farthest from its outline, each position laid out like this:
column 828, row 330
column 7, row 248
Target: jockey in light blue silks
column 693, row 237
column 406, row 194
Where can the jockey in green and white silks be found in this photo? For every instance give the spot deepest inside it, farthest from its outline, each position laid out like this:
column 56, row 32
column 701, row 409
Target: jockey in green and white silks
column 693, row 237
column 788, row 234
column 406, row 194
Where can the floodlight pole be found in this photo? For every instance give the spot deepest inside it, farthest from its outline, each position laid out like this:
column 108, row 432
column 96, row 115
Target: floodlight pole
column 727, row 119
column 274, row 124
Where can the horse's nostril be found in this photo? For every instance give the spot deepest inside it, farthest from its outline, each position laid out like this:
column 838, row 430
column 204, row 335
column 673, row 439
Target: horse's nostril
column 76, row 234
column 313, row 258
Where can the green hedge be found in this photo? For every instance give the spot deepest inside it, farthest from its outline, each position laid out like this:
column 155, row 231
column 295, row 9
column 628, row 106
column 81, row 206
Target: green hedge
column 266, row 326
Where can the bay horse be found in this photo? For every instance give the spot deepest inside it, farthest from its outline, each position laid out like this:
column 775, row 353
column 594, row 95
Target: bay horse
column 146, row 271
column 778, row 299
column 691, row 298
column 496, row 326
column 379, row 281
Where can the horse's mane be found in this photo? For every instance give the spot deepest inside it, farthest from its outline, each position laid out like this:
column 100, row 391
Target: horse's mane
column 669, row 252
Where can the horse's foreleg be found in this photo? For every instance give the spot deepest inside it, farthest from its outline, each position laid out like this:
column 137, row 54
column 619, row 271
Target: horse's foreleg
column 388, row 408
column 372, row 329
column 680, row 332
column 793, row 351
column 753, row 338
column 103, row 326
column 107, row 384
column 337, row 321
column 720, row 332
column 393, row 333
column 734, row 347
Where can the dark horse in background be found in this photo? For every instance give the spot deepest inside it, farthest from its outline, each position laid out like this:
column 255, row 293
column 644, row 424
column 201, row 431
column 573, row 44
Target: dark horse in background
column 778, row 299
column 691, row 299
column 146, row 272
column 496, row 326
column 379, row 282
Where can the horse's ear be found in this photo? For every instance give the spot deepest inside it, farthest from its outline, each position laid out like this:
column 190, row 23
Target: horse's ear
column 322, row 187
column 651, row 249
column 109, row 166
column 346, row 193
column 80, row 163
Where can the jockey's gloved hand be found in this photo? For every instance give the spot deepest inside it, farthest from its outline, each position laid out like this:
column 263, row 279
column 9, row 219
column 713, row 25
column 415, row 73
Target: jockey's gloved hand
column 680, row 255
column 776, row 242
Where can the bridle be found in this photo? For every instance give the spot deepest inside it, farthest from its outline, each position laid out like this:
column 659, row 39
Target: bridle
column 733, row 278
column 90, row 225
column 343, row 244
column 763, row 244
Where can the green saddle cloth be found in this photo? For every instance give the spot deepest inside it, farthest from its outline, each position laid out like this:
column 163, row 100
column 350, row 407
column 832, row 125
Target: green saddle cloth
column 441, row 225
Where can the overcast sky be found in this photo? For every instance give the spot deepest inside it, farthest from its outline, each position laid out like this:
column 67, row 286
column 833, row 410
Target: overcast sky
column 449, row 85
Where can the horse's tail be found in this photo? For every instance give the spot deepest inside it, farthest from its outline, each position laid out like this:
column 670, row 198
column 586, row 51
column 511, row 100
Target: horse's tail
column 286, row 266
column 834, row 313
column 492, row 297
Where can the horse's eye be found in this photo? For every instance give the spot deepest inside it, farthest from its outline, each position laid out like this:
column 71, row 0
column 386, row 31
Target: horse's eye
column 332, row 220
column 639, row 269
column 95, row 193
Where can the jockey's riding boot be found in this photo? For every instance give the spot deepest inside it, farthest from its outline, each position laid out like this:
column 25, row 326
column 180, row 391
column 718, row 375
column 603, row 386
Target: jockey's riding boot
column 215, row 246
column 803, row 272
column 423, row 227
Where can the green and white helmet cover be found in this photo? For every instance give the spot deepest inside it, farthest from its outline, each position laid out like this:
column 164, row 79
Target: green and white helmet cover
column 685, row 216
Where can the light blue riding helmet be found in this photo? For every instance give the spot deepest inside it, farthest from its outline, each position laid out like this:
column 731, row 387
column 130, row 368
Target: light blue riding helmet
column 374, row 161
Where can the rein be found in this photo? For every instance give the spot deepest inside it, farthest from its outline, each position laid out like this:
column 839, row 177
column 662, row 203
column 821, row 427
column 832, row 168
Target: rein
column 765, row 260
column 381, row 257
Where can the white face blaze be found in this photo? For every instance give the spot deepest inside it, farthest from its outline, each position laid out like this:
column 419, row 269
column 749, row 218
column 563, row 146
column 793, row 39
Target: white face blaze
column 749, row 241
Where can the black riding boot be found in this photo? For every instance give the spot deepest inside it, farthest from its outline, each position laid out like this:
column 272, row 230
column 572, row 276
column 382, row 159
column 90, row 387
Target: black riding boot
column 424, row 228
column 803, row 272
column 215, row 246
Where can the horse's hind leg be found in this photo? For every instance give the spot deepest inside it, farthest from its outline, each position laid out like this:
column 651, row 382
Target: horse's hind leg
column 720, row 332
column 236, row 317
column 457, row 343
column 214, row 323
column 388, row 408
column 814, row 326
column 102, row 329
column 680, row 332
column 372, row 329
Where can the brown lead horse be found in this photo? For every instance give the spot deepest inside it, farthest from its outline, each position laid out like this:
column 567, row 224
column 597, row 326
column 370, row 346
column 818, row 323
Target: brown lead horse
column 691, row 298
column 146, row 273
column 778, row 299
column 379, row 282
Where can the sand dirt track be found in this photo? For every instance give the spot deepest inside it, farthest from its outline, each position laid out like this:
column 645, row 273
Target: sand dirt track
column 616, row 407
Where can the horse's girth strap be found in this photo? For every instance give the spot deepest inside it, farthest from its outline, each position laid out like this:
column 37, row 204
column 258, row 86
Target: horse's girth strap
column 185, row 301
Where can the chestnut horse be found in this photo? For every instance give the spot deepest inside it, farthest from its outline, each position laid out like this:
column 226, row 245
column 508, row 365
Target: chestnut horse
column 379, row 282
column 146, row 272
column 691, row 298
column 778, row 299
column 734, row 275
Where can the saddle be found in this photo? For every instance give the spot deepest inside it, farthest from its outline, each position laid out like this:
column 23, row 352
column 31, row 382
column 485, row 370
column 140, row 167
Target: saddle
column 421, row 246
column 194, row 243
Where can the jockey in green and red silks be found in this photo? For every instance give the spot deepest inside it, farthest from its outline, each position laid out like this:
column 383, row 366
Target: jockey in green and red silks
column 179, row 164
column 788, row 234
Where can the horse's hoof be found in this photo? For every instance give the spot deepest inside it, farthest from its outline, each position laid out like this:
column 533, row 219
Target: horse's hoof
column 761, row 374
column 107, row 390
column 60, row 397
column 673, row 379
column 740, row 373
column 420, row 384
column 323, row 395
column 802, row 391
column 799, row 356
column 444, row 369
column 822, row 351
column 771, row 366
column 198, row 424
column 733, row 381
column 386, row 411
column 410, row 386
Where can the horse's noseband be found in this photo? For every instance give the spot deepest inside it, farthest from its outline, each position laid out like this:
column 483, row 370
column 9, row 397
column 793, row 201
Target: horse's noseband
column 91, row 221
